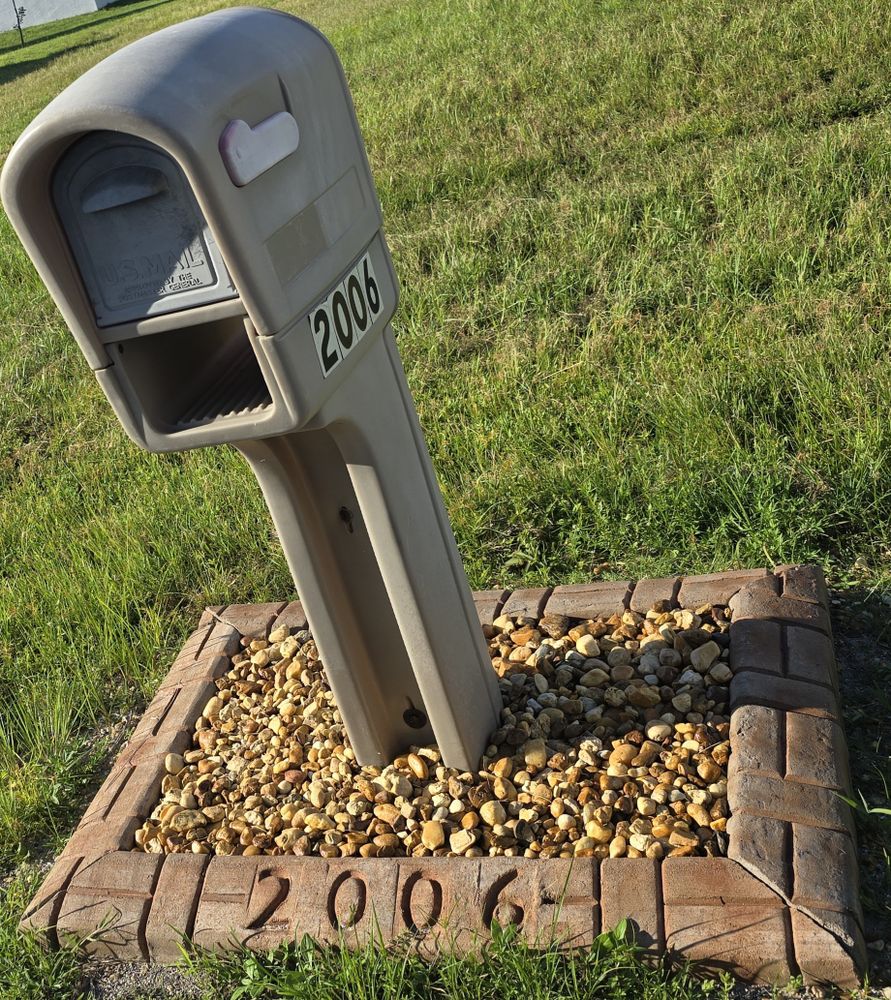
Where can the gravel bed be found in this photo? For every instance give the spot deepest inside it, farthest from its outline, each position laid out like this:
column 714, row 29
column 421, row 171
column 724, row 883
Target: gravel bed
column 613, row 743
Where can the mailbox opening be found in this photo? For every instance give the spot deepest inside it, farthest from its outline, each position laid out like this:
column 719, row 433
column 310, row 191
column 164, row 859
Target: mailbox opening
column 193, row 376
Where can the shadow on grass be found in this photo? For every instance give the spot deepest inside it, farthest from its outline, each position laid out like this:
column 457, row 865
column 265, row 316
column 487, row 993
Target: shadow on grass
column 34, row 36
column 862, row 633
column 18, row 69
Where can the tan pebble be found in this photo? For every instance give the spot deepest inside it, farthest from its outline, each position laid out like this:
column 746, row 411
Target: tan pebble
column 418, row 766
column 614, row 697
column 682, row 702
column 503, row 767
column 212, row 708
column 662, row 828
column 646, row 806
column 699, row 814
column 288, row 838
column 584, row 844
column 602, row 834
column 493, row 813
column 188, row 819
column 174, row 763
column 596, row 677
column 619, row 656
column 461, row 841
column 721, row 673
column 682, row 837
column 587, row 645
column 527, row 636
column 623, row 672
column 704, row 656
column 617, row 847
column 279, row 634
column 387, row 840
column 535, row 754
column 708, row 770
column 622, row 754
column 640, row 841
column 432, row 834
column 504, row 789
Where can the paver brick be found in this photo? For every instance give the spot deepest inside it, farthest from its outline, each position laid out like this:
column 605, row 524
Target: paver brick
column 719, row 914
column 191, row 648
column 715, row 588
column 223, row 640
column 433, row 908
column 253, row 621
column 784, row 693
column 816, row 751
column 758, row 646
column 820, row 956
column 259, row 902
column 590, row 600
column 763, row 846
column 171, row 917
column 647, row 593
column 825, row 864
column 810, row 657
column 190, row 700
column 709, row 881
column 42, row 912
column 804, row 583
column 209, row 665
column 752, row 941
column 210, row 614
column 489, row 603
column 763, row 795
column 757, row 736
column 631, row 888
column 156, row 712
column 528, row 603
column 359, row 903
column 293, row 617
column 107, row 903
column 759, row 599
column 566, row 910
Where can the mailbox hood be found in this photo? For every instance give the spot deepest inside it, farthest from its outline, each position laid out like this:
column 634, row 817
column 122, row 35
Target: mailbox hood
column 253, row 107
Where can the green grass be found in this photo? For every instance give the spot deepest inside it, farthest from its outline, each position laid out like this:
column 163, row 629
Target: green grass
column 610, row 970
column 646, row 292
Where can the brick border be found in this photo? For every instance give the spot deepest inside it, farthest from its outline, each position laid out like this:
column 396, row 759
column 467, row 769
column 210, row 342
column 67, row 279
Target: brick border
column 784, row 902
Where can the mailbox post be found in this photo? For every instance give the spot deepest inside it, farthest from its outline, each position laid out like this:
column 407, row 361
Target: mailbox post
column 201, row 208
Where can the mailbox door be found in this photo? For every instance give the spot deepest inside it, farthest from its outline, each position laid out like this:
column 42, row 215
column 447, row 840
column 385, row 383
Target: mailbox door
column 140, row 241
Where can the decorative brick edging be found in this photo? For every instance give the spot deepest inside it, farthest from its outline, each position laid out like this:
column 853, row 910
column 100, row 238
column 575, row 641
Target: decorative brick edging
column 785, row 901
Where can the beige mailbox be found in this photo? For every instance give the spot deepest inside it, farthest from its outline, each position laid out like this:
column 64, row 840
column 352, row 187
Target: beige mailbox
column 201, row 208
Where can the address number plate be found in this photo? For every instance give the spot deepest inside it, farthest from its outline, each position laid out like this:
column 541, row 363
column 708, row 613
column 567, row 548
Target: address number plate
column 340, row 321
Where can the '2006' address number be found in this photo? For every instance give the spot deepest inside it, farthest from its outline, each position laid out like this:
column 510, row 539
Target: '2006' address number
column 340, row 322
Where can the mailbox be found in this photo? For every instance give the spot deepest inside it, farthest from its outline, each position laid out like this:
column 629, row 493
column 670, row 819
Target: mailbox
column 201, row 208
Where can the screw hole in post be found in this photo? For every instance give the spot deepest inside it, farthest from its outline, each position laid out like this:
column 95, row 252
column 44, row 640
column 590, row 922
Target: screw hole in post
column 346, row 515
column 414, row 718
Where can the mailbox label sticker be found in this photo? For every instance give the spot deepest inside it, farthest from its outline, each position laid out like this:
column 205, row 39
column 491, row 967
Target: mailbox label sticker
column 341, row 320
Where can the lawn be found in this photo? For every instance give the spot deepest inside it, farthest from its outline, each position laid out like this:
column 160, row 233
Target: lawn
column 646, row 301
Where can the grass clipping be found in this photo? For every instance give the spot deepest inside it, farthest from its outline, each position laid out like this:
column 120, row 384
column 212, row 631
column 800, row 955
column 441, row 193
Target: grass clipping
column 613, row 743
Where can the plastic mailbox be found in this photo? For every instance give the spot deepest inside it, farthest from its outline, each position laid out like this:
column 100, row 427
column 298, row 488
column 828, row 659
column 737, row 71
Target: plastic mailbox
column 201, row 208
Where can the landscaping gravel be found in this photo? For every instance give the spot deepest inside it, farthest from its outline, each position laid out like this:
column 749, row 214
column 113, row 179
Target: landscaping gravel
column 613, row 743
